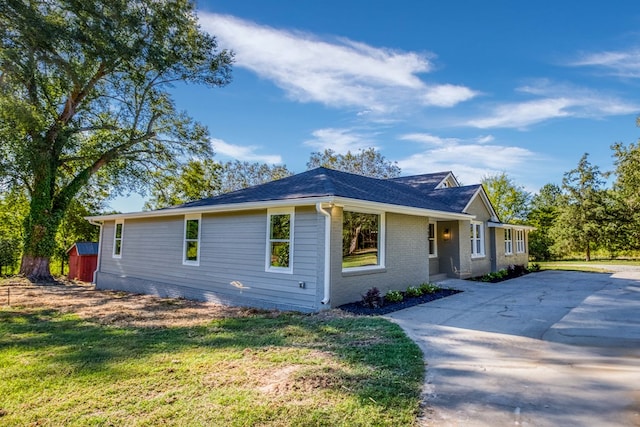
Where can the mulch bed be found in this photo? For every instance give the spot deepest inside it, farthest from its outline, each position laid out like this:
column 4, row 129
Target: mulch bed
column 360, row 309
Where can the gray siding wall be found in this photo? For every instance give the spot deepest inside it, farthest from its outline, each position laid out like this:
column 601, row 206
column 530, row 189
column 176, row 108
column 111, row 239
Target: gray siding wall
column 406, row 264
column 232, row 249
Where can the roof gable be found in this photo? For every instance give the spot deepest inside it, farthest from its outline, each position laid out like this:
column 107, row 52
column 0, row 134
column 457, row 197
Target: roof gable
column 428, row 181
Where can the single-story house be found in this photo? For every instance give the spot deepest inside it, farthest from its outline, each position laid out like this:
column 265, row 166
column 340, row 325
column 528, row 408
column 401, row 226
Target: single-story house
column 310, row 241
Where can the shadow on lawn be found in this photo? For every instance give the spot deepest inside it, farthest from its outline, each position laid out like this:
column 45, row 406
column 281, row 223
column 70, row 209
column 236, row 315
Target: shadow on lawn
column 63, row 344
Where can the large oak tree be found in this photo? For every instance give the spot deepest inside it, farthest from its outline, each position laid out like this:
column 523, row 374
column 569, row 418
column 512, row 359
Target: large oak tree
column 84, row 97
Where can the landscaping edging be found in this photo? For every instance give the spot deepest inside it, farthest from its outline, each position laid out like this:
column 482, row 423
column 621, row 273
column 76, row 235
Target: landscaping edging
column 360, row 309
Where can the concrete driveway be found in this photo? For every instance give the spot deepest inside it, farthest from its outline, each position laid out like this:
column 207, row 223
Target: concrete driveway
column 553, row 348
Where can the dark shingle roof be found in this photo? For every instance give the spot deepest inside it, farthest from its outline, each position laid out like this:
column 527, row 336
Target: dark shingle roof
column 321, row 182
column 424, row 182
column 86, row 248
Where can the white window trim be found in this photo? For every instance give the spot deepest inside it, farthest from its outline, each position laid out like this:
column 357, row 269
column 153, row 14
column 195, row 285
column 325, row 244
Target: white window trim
column 520, row 243
column 381, row 242
column 268, row 266
column 115, row 228
column 185, row 261
column 435, row 239
column 508, row 243
column 480, row 237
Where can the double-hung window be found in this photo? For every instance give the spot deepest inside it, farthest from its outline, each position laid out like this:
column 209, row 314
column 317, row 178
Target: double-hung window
column 280, row 240
column 508, row 241
column 477, row 239
column 520, row 248
column 433, row 245
column 191, row 247
column 118, row 233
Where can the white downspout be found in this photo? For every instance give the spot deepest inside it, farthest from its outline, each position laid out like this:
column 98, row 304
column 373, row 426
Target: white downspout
column 327, row 252
column 99, row 224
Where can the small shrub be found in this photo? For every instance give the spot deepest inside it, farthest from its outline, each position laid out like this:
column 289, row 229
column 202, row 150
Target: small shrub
column 429, row 288
column 373, row 298
column 533, row 268
column 413, row 291
column 394, row 296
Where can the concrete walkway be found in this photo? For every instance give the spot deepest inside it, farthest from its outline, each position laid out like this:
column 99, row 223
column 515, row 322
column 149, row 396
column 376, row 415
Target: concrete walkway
column 554, row 348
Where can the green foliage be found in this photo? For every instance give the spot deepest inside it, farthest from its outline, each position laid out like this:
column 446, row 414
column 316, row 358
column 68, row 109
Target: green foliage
column 429, row 288
column 413, row 291
column 367, row 162
column 200, row 179
column 394, row 296
column 542, row 215
column 510, row 201
column 582, row 211
column 85, row 98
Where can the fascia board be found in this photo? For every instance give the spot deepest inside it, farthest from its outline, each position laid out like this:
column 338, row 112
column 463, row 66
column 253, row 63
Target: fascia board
column 235, row 207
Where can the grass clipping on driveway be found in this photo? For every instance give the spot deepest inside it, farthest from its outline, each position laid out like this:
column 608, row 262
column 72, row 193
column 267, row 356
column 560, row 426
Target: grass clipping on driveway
column 71, row 355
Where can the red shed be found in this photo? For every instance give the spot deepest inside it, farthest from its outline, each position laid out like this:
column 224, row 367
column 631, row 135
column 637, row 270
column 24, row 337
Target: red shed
column 83, row 260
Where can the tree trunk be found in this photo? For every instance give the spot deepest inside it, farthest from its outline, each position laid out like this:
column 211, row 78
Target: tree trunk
column 354, row 240
column 36, row 269
column 588, row 255
column 42, row 223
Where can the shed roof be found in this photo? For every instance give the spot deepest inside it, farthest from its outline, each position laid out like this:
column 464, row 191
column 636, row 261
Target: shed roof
column 85, row 248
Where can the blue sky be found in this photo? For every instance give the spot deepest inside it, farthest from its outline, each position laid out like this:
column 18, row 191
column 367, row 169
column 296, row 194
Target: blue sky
column 478, row 88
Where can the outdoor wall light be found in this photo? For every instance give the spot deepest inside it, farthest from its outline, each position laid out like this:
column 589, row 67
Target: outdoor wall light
column 447, row 234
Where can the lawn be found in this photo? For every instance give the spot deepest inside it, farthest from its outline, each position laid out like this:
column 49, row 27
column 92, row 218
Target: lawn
column 597, row 265
column 67, row 358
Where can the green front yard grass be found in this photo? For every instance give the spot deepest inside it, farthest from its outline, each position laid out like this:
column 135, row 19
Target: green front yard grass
column 274, row 369
column 596, row 266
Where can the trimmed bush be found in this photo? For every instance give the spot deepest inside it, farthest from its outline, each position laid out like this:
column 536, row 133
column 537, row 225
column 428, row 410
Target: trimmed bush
column 394, row 296
column 429, row 288
column 413, row 291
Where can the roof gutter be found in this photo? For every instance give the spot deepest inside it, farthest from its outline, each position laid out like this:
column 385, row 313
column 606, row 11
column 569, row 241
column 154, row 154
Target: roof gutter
column 99, row 224
column 327, row 252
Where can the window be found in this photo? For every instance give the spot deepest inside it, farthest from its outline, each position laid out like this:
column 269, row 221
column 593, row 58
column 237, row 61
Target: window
column 117, row 239
column 433, row 247
column 520, row 248
column 477, row 239
column 362, row 237
column 191, row 249
column 280, row 240
column 508, row 242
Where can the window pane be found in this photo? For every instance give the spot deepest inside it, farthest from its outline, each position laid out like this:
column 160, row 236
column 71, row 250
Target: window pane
column 118, row 231
column 360, row 239
column 192, row 251
column 280, row 254
column 432, row 247
column 118, row 246
column 192, row 229
column 280, row 227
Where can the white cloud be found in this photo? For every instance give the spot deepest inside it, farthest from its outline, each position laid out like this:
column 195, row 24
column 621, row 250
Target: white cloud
column 617, row 63
column 338, row 73
column 448, row 95
column 427, row 138
column 469, row 159
column 555, row 101
column 243, row 153
column 340, row 140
